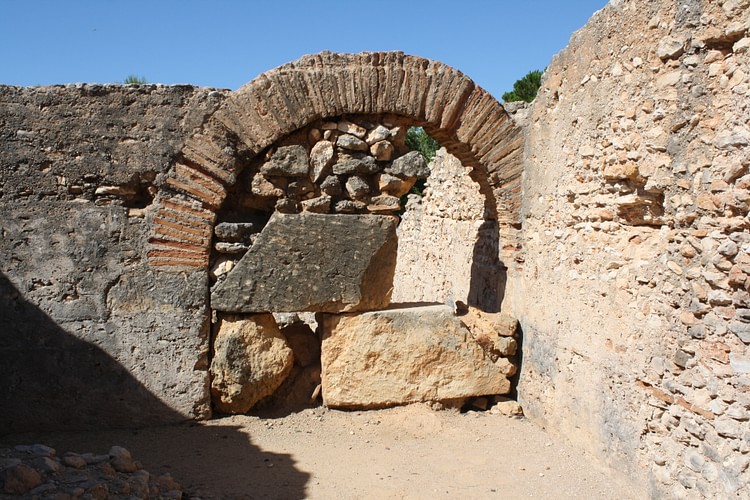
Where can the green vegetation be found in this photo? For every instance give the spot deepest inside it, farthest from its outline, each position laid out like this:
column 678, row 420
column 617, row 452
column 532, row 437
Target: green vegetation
column 135, row 80
column 526, row 88
column 418, row 140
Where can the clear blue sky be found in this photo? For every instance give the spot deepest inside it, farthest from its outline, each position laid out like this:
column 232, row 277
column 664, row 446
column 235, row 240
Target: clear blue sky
column 224, row 43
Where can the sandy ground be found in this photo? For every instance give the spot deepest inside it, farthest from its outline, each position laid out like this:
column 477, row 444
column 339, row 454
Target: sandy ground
column 411, row 452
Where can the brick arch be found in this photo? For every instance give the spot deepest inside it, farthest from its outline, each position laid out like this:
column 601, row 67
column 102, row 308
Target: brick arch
column 464, row 117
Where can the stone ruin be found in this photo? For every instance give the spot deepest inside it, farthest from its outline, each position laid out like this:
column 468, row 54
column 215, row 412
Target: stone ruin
column 610, row 218
column 311, row 227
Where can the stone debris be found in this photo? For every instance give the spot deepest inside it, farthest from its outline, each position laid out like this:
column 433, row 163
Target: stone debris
column 399, row 356
column 36, row 471
column 331, row 167
column 506, row 406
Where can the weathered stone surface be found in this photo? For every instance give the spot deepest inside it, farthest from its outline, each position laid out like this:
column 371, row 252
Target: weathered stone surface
column 260, row 186
column 321, row 157
column 251, row 359
column 379, row 133
column 121, row 460
column 670, row 48
column 357, row 187
column 350, row 142
column 319, row 205
column 331, row 185
column 395, row 186
column 507, row 407
column 288, row 161
column 385, row 358
column 351, row 128
column 384, row 204
column 313, row 262
column 446, row 247
column 26, row 475
column 410, row 165
column 20, row 479
column 350, row 207
column 300, row 189
column 238, row 232
column 364, row 165
column 382, row 151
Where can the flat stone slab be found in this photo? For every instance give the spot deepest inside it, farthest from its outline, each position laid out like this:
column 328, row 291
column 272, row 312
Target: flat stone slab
column 314, row 262
column 399, row 356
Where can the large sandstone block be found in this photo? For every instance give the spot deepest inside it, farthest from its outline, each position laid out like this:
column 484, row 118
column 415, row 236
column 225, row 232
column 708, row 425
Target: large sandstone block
column 399, row 356
column 314, row 262
column 251, row 360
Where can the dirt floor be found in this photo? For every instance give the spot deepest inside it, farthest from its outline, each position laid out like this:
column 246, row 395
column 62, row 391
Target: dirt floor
column 412, row 452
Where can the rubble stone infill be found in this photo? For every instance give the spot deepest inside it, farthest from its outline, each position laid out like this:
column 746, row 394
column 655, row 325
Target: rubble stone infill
column 37, row 472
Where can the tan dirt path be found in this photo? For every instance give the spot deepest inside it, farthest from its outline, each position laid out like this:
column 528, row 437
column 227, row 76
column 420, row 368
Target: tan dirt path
column 411, row 452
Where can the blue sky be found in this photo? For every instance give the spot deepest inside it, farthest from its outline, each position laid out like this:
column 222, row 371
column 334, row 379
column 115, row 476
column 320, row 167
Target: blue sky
column 225, row 43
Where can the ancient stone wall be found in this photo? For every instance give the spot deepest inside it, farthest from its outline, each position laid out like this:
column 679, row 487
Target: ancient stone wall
column 90, row 335
column 110, row 201
column 444, row 237
column 632, row 286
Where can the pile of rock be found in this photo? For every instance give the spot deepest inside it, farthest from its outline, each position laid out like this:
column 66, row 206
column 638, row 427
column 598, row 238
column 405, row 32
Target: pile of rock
column 311, row 227
column 344, row 166
column 340, row 167
column 35, row 471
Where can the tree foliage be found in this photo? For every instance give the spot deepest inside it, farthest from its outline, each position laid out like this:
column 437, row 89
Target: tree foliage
column 418, row 140
column 135, row 80
column 526, row 88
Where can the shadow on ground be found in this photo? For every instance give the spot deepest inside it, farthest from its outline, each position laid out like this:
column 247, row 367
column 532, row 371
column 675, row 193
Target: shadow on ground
column 59, row 390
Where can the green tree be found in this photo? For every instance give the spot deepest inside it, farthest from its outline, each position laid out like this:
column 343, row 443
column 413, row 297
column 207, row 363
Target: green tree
column 135, row 80
column 419, row 140
column 526, row 88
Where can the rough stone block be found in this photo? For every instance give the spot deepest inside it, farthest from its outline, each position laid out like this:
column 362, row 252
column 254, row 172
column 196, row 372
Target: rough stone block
column 251, row 360
column 399, row 356
column 314, row 262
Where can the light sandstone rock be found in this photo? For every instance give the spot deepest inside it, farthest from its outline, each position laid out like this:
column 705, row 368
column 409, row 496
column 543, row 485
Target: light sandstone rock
column 382, row 150
column 670, row 48
column 351, row 128
column 352, row 143
column 379, row 133
column 314, row 262
column 495, row 332
column 507, row 407
column 395, row 186
column 398, row 356
column 384, row 204
column 321, row 158
column 260, row 186
column 251, row 359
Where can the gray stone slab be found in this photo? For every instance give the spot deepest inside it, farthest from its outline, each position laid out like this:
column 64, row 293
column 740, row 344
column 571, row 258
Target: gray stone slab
column 314, row 262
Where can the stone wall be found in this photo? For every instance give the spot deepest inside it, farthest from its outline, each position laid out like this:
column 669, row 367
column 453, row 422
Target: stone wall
column 444, row 239
column 632, row 286
column 631, row 283
column 90, row 335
